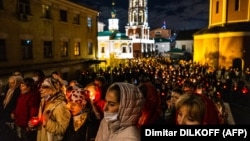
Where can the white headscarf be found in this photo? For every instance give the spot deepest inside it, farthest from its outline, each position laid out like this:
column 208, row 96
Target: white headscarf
column 17, row 82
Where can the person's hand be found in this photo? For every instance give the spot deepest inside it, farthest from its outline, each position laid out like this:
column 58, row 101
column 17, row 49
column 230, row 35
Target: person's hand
column 33, row 123
column 30, row 124
column 12, row 116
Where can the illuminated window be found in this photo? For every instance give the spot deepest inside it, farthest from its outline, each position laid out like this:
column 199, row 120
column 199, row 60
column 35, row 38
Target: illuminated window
column 89, row 23
column 64, row 48
column 77, row 49
column 27, row 49
column 46, row 11
column 3, row 56
column 47, row 49
column 141, row 16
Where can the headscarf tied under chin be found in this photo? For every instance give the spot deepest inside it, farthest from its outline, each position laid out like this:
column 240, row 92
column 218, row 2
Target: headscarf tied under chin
column 17, row 82
column 211, row 116
column 152, row 107
column 52, row 83
column 131, row 104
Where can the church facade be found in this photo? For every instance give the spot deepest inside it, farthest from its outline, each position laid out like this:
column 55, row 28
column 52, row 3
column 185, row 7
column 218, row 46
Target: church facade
column 135, row 42
column 226, row 40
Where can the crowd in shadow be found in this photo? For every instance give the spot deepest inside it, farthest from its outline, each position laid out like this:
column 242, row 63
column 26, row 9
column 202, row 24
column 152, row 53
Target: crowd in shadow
column 113, row 104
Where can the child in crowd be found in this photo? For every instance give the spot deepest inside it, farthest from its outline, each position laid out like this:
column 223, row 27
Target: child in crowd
column 83, row 123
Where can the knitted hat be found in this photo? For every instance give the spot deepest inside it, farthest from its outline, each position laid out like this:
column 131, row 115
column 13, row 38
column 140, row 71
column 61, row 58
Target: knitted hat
column 78, row 95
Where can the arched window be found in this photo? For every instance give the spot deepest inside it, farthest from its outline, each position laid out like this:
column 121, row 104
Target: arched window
column 103, row 50
column 124, row 50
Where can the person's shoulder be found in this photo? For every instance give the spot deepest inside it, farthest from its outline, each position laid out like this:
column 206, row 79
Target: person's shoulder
column 131, row 133
column 131, row 130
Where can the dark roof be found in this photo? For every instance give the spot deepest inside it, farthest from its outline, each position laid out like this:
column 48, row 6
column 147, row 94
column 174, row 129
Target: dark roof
column 89, row 4
column 233, row 27
column 158, row 40
column 176, row 50
column 186, row 34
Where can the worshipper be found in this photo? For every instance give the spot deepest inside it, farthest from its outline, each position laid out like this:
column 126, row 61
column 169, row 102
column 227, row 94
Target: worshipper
column 53, row 114
column 122, row 110
column 83, row 125
column 196, row 109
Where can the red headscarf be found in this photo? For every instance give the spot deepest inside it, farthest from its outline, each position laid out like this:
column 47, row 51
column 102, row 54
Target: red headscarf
column 152, row 106
column 212, row 114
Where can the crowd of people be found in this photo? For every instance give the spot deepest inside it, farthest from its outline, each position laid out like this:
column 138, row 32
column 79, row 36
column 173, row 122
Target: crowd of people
column 113, row 104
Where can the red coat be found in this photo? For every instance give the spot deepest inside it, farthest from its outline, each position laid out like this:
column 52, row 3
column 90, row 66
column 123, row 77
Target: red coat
column 26, row 108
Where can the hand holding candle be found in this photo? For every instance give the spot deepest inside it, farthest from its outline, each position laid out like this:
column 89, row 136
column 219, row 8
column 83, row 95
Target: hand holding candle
column 34, row 121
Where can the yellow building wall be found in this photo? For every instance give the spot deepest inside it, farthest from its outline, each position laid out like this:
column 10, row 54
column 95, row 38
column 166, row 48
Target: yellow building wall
column 230, row 49
column 219, row 50
column 39, row 29
column 199, row 51
column 216, row 18
column 241, row 14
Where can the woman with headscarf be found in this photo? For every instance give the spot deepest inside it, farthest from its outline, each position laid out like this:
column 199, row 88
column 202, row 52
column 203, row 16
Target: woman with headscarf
column 151, row 111
column 10, row 99
column 53, row 114
column 83, row 124
column 122, row 110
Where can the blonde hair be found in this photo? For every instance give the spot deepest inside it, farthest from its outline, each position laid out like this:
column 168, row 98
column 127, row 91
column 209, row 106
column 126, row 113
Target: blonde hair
column 195, row 105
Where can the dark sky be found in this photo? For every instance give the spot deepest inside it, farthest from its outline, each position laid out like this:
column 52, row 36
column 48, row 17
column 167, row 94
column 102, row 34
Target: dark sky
column 178, row 14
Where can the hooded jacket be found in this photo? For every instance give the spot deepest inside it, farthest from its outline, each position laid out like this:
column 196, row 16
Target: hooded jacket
column 125, row 128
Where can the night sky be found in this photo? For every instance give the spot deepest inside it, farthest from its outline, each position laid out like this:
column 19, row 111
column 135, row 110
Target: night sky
column 178, row 14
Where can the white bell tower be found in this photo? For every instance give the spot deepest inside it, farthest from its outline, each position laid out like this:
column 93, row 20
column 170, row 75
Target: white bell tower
column 137, row 26
column 138, row 30
column 113, row 21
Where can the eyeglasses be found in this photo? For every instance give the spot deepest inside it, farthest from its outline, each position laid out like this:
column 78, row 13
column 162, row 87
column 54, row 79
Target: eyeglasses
column 45, row 87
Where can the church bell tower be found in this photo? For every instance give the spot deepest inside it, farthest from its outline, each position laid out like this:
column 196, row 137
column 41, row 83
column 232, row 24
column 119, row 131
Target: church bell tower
column 113, row 21
column 137, row 28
